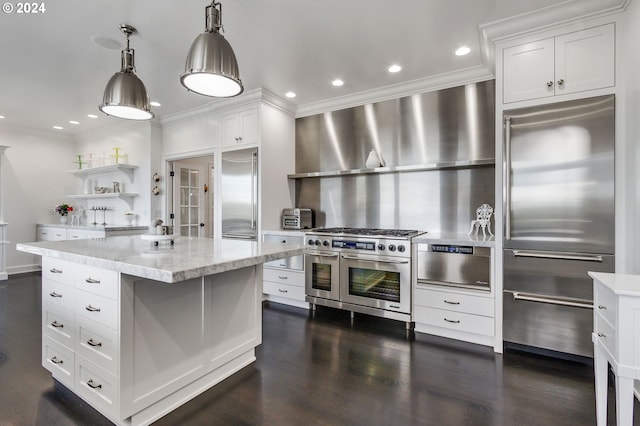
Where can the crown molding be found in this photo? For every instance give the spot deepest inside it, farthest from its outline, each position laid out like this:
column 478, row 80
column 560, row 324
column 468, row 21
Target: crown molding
column 427, row 84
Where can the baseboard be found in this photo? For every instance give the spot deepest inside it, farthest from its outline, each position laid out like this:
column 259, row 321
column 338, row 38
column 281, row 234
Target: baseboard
column 23, row 269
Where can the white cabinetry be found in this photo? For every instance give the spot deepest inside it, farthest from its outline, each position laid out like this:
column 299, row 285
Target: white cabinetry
column 283, row 279
column 616, row 340
column 575, row 62
column 51, row 233
column 241, row 128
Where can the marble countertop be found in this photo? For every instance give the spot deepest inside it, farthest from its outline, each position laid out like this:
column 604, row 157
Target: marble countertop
column 187, row 258
column 620, row 284
column 456, row 239
column 96, row 227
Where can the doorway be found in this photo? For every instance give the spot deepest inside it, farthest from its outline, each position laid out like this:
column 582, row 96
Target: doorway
column 192, row 191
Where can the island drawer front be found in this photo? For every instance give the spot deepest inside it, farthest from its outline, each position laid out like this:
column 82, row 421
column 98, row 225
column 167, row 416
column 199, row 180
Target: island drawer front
column 58, row 294
column 606, row 335
column 455, row 302
column 283, row 276
column 605, row 303
column 97, row 308
column 58, row 270
column 97, row 386
column 284, row 290
column 98, row 343
column 98, row 281
column 475, row 324
column 58, row 324
column 59, row 360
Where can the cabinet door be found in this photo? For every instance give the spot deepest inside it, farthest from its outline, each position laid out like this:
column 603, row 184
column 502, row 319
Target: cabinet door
column 585, row 60
column 240, row 128
column 46, row 233
column 528, row 71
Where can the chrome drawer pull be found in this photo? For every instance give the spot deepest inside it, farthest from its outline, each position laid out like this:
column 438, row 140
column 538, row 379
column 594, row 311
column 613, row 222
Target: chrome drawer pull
column 282, row 278
column 93, row 385
column 92, row 281
column 55, row 271
column 92, row 309
column 57, row 325
column 602, row 307
column 55, row 360
column 452, row 321
column 54, row 294
column 282, row 291
column 451, row 303
column 602, row 335
column 478, row 282
column 90, row 342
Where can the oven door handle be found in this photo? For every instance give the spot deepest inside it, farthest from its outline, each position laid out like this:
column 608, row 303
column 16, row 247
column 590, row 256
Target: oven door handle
column 322, row 255
column 395, row 262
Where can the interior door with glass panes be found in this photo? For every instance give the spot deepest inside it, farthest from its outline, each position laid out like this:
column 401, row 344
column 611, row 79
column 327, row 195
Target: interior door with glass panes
column 193, row 197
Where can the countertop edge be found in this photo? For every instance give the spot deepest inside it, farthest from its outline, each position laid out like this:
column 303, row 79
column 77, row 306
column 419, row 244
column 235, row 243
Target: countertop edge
column 620, row 284
column 158, row 274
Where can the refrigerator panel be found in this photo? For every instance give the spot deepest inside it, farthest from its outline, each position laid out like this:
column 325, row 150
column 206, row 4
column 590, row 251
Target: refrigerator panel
column 239, row 194
column 548, row 325
column 559, row 176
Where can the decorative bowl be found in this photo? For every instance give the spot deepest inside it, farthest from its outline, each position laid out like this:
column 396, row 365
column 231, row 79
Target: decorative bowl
column 100, row 189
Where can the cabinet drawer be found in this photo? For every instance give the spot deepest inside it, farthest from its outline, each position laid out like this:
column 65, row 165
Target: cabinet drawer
column 59, row 360
column 60, row 295
column 605, row 304
column 468, row 323
column 58, row 270
column 606, row 334
column 97, row 343
column 283, row 276
column 58, row 324
column 76, row 234
column 97, row 386
column 284, row 290
column 457, row 302
column 98, row 281
column 51, row 234
column 97, row 308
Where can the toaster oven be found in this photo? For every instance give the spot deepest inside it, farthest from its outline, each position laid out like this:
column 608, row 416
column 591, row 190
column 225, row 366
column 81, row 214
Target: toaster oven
column 297, row 218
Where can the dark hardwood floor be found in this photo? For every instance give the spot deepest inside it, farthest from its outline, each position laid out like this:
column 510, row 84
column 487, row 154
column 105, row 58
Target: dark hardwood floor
column 321, row 369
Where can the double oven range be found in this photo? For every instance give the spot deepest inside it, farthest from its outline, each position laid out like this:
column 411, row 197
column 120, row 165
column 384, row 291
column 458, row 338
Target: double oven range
column 361, row 270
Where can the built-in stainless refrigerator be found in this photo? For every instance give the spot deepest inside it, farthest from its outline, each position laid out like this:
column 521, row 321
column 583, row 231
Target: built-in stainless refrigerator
column 239, row 194
column 559, row 221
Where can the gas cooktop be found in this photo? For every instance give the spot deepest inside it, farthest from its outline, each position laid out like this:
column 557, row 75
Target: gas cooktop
column 401, row 233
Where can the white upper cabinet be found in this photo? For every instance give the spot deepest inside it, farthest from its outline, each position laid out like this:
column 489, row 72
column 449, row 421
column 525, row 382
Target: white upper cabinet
column 569, row 63
column 240, row 128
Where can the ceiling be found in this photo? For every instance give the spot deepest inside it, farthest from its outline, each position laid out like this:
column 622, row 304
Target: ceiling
column 52, row 71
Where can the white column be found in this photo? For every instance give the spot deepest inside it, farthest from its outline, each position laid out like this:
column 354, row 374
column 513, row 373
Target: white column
column 3, row 224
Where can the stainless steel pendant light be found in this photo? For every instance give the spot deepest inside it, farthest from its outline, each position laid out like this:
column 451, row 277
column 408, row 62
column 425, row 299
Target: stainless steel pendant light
column 125, row 95
column 211, row 68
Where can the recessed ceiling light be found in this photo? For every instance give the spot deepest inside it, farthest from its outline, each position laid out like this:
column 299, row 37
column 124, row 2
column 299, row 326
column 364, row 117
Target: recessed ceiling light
column 58, row 127
column 462, row 51
column 73, row 122
column 92, row 116
column 290, row 94
column 154, row 103
column 337, row 82
column 395, row 68
column 1, row 117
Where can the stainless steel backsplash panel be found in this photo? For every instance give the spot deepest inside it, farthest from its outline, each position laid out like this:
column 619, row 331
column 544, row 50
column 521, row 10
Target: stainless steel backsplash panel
column 442, row 200
column 456, row 124
column 448, row 125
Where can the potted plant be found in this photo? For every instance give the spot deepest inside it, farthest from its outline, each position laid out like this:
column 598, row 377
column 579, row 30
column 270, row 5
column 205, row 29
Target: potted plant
column 63, row 210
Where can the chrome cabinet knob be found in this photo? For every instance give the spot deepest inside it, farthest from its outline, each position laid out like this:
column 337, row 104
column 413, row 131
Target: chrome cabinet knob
column 560, row 82
column 549, row 83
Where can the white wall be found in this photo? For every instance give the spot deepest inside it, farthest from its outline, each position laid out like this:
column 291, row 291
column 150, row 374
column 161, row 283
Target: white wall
column 35, row 179
column 628, row 40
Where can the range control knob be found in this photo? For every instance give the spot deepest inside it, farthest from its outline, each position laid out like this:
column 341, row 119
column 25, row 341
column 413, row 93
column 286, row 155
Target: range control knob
column 317, row 242
column 311, row 242
column 325, row 243
column 381, row 247
column 392, row 247
column 401, row 248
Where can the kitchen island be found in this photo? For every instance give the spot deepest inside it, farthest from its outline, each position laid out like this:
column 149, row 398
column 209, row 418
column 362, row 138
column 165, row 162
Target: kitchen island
column 137, row 330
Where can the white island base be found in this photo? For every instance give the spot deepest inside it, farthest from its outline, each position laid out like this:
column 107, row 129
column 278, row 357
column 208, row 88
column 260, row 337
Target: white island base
column 154, row 347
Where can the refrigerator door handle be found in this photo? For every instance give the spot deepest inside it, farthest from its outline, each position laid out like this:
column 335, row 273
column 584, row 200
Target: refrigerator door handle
column 529, row 297
column 507, row 177
column 556, row 255
column 254, row 191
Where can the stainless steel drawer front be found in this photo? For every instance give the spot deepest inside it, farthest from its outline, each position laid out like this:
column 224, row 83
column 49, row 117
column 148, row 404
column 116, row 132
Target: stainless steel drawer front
column 455, row 266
